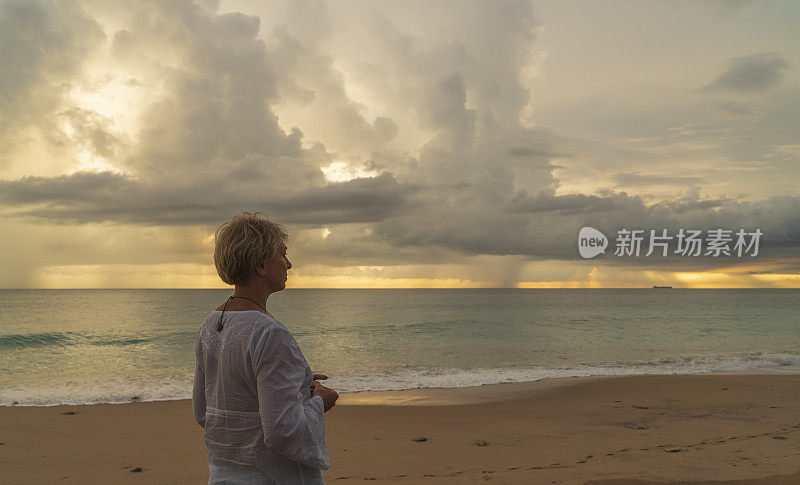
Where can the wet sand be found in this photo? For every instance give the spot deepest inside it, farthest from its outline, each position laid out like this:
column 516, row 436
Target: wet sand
column 604, row 430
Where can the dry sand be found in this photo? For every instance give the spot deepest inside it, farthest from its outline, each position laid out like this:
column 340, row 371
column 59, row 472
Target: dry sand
column 684, row 429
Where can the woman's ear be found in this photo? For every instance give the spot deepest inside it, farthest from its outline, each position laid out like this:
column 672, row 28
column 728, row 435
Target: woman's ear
column 261, row 269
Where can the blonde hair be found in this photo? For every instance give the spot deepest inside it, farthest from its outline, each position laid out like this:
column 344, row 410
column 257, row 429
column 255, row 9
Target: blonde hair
column 245, row 242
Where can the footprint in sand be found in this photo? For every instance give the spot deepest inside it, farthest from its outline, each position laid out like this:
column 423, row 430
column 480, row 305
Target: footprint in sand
column 635, row 426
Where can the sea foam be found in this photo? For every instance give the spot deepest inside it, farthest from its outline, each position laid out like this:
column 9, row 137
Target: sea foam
column 179, row 385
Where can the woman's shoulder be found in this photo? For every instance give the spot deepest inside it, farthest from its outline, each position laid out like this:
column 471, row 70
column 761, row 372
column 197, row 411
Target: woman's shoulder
column 252, row 321
column 262, row 323
column 241, row 315
column 270, row 333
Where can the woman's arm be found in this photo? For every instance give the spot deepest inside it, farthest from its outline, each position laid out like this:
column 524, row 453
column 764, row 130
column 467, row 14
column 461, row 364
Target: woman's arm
column 292, row 426
column 199, row 390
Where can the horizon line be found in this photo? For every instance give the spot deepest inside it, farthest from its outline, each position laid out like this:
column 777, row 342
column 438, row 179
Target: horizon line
column 437, row 288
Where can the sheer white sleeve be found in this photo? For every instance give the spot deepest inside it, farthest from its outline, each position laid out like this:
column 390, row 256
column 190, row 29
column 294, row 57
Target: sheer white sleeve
column 293, row 424
column 199, row 390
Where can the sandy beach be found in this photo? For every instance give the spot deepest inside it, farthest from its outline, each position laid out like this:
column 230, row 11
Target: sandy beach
column 707, row 428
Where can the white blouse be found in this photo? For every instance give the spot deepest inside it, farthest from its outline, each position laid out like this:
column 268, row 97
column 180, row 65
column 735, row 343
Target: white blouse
column 252, row 396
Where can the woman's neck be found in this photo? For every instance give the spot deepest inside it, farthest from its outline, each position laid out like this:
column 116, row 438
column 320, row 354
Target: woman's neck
column 248, row 297
column 247, row 294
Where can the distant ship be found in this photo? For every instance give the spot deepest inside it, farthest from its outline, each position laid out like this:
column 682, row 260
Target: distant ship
column 661, row 286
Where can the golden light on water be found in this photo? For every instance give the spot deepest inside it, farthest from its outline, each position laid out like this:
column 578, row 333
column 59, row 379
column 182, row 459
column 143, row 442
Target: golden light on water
column 713, row 279
column 189, row 275
column 370, row 282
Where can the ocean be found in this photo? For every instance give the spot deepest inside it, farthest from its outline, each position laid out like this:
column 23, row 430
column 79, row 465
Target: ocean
column 110, row 346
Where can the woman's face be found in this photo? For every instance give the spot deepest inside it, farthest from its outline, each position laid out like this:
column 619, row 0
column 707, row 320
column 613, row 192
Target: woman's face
column 275, row 270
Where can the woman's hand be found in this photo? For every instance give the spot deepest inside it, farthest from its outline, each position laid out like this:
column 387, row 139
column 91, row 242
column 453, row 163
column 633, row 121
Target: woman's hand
column 329, row 396
column 320, row 377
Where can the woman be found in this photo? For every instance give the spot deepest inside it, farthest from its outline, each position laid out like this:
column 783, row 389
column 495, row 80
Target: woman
column 260, row 404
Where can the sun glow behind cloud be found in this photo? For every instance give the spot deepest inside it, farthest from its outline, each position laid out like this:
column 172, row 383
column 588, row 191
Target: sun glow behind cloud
column 343, row 172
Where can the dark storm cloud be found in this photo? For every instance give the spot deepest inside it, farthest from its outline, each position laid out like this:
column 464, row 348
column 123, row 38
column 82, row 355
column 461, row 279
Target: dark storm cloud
column 567, row 204
column 750, row 74
column 66, row 189
column 358, row 200
column 640, row 180
column 685, row 205
column 546, row 226
column 522, row 151
column 109, row 197
column 735, row 109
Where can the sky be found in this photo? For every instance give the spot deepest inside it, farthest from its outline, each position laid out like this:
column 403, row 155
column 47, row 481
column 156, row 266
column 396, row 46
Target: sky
column 409, row 144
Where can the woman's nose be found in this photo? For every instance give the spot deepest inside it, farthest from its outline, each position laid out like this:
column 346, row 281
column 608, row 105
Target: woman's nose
column 288, row 264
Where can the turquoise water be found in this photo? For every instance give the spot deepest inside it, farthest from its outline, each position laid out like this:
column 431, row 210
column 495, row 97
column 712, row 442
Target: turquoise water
column 84, row 346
